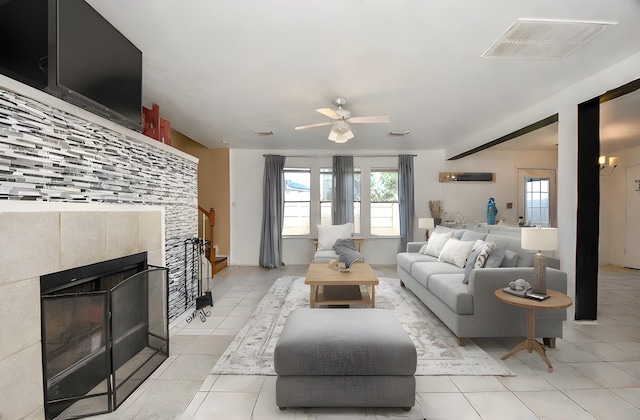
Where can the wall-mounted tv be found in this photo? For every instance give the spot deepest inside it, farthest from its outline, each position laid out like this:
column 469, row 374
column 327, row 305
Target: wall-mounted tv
column 84, row 59
column 23, row 41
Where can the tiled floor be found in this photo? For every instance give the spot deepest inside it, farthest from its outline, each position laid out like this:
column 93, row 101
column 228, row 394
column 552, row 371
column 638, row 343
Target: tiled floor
column 596, row 367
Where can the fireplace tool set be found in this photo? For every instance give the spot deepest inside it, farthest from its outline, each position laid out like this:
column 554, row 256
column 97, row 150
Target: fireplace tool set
column 197, row 273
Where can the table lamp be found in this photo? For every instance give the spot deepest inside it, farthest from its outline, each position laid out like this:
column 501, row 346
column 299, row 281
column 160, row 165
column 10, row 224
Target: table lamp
column 426, row 223
column 539, row 239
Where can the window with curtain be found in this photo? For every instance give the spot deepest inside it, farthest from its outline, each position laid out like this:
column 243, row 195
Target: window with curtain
column 297, row 201
column 385, row 213
column 326, row 182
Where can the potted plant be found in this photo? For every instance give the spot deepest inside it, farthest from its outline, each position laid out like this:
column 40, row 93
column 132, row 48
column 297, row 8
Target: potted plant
column 435, row 207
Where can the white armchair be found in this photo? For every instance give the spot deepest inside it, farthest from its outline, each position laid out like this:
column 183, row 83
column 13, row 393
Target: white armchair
column 327, row 237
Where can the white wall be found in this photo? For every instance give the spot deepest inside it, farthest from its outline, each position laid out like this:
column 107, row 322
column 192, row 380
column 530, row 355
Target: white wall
column 613, row 214
column 246, row 168
column 564, row 103
column 468, row 198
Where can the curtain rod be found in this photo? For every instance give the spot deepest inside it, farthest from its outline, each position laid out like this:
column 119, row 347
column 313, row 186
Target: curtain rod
column 314, row 156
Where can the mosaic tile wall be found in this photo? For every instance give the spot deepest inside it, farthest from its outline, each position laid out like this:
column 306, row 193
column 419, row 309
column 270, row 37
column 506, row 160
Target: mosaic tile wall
column 50, row 155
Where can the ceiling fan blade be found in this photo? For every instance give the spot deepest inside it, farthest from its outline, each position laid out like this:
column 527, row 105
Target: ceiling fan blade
column 328, row 112
column 302, row 127
column 368, row 120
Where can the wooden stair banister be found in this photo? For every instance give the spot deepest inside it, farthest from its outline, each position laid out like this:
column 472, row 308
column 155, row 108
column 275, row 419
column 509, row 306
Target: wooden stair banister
column 210, row 251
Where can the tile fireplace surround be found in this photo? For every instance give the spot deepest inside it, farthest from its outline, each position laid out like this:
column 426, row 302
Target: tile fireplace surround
column 42, row 238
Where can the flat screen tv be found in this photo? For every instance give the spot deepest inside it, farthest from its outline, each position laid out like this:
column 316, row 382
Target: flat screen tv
column 68, row 49
column 23, row 41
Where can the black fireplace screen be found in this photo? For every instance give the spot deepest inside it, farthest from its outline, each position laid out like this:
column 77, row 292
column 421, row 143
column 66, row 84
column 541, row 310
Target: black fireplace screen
column 99, row 346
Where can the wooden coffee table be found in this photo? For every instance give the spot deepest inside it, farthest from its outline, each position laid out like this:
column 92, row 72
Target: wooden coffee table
column 557, row 300
column 328, row 285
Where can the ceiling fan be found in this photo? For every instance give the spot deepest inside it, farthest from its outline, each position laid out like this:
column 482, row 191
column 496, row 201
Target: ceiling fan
column 340, row 119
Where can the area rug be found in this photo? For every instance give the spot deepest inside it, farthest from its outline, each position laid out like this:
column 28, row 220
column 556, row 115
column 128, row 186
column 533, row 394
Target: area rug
column 251, row 352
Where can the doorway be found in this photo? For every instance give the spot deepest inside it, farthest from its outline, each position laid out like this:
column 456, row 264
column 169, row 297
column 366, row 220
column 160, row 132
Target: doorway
column 536, row 189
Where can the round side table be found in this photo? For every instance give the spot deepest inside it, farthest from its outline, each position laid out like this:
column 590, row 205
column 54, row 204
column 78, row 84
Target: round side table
column 557, row 300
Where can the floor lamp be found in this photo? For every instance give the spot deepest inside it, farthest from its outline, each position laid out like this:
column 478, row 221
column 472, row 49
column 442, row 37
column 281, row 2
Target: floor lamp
column 426, row 223
column 539, row 239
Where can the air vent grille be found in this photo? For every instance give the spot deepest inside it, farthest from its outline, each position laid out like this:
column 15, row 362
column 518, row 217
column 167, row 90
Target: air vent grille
column 544, row 39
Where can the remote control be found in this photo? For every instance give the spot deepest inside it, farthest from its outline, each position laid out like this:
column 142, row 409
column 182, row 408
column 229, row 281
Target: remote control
column 536, row 296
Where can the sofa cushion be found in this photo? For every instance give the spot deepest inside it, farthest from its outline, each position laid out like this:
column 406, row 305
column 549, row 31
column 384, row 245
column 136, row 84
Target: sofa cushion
column 324, row 256
column 407, row 259
column 510, row 259
column 436, row 243
column 525, row 259
column 485, row 249
column 478, row 257
column 496, row 256
column 470, row 235
column 451, row 290
column 456, row 252
column 329, row 234
column 422, row 271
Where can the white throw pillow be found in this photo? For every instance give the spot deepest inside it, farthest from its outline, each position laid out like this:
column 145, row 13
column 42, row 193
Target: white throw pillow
column 485, row 249
column 436, row 242
column 329, row 234
column 456, row 252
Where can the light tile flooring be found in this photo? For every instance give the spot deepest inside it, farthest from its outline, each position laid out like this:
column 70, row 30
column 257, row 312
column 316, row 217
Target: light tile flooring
column 596, row 367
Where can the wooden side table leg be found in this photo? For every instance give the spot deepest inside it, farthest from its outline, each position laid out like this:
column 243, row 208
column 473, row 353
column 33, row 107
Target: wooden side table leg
column 373, row 295
column 531, row 328
column 312, row 295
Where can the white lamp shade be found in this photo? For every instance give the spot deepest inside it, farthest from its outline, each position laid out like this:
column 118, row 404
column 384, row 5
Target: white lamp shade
column 426, row 223
column 539, row 239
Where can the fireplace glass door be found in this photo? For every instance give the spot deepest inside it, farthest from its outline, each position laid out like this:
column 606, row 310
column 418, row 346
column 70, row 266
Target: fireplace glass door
column 99, row 346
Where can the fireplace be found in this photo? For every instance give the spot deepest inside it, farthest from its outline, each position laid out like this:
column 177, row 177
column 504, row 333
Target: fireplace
column 105, row 329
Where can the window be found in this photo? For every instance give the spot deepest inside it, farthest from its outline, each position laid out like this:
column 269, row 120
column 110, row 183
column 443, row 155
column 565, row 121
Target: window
column 297, row 201
column 537, row 201
column 385, row 213
column 326, row 191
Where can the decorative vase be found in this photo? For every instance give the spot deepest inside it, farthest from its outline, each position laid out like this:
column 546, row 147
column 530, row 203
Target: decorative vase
column 491, row 219
column 437, row 220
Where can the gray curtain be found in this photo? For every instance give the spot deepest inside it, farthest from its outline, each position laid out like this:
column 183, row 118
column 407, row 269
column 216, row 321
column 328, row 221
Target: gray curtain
column 272, row 211
column 342, row 190
column 405, row 199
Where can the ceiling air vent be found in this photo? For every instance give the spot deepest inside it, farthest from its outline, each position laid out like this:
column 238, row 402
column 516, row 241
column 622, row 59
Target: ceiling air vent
column 544, row 39
column 263, row 133
column 399, row 133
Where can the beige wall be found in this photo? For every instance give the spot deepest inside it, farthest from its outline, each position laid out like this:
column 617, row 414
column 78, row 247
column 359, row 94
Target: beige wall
column 213, row 184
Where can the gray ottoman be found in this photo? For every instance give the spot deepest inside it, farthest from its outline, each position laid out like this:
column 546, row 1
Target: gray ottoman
column 344, row 358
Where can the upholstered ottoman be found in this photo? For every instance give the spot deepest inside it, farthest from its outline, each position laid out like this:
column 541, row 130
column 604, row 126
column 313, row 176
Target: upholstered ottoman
column 344, row 358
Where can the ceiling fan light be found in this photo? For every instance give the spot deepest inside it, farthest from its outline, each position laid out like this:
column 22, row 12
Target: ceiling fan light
column 341, row 127
column 343, row 138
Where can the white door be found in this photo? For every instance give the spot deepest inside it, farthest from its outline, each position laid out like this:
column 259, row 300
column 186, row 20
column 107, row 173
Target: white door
column 541, row 201
column 632, row 241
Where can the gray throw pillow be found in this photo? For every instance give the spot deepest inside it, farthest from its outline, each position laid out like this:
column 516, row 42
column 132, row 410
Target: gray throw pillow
column 525, row 259
column 495, row 258
column 347, row 252
column 469, row 265
column 510, row 259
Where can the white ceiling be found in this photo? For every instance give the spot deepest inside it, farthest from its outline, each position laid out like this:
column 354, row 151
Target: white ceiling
column 220, row 70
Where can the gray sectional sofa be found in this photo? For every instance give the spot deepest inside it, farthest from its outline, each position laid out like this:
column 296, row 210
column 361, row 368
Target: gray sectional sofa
column 470, row 308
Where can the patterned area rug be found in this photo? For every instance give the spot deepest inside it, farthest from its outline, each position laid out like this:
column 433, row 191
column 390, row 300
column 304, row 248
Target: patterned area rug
column 251, row 352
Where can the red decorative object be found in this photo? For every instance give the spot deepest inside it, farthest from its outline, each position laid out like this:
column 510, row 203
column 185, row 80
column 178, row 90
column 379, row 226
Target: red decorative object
column 155, row 127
